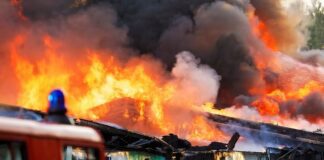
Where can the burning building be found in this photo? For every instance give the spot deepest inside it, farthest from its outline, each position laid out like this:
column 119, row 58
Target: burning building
column 163, row 66
column 121, row 143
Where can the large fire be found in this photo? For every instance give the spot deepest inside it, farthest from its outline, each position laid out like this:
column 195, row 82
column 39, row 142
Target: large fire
column 269, row 103
column 292, row 83
column 139, row 94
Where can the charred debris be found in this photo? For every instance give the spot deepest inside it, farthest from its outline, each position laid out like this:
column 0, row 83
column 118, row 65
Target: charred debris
column 292, row 144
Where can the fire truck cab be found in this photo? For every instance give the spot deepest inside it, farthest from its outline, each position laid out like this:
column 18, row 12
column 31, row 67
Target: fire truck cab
column 31, row 140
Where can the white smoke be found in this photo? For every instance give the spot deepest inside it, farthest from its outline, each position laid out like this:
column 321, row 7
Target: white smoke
column 198, row 82
column 251, row 114
column 314, row 57
column 195, row 84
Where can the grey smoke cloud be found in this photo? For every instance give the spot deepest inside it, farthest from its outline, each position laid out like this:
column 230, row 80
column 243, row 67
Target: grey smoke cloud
column 311, row 108
column 218, row 37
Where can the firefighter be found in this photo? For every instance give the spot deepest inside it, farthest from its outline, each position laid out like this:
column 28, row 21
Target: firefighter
column 57, row 109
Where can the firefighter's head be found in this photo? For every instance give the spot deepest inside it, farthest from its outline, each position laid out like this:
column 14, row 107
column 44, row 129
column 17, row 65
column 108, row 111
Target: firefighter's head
column 56, row 102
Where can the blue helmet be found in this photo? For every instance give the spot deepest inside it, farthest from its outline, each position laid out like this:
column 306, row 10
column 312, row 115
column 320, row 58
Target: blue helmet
column 56, row 102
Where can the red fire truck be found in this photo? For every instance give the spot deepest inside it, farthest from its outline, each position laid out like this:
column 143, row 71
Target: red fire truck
column 31, row 140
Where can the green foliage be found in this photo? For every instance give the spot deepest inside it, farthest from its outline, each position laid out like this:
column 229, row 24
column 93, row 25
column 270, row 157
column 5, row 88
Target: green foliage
column 316, row 40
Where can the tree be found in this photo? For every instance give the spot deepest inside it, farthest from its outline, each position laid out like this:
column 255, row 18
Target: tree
column 316, row 30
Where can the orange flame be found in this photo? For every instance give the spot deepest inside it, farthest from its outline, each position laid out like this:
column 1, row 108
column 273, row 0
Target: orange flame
column 134, row 95
column 269, row 104
column 259, row 29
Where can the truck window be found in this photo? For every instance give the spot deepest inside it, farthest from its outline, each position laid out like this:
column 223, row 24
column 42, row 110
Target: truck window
column 80, row 153
column 12, row 150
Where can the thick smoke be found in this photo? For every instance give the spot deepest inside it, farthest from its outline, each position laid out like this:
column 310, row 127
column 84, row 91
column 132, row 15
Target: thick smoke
column 217, row 38
column 272, row 13
column 44, row 9
column 218, row 32
column 191, row 79
column 148, row 20
column 194, row 79
column 310, row 108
